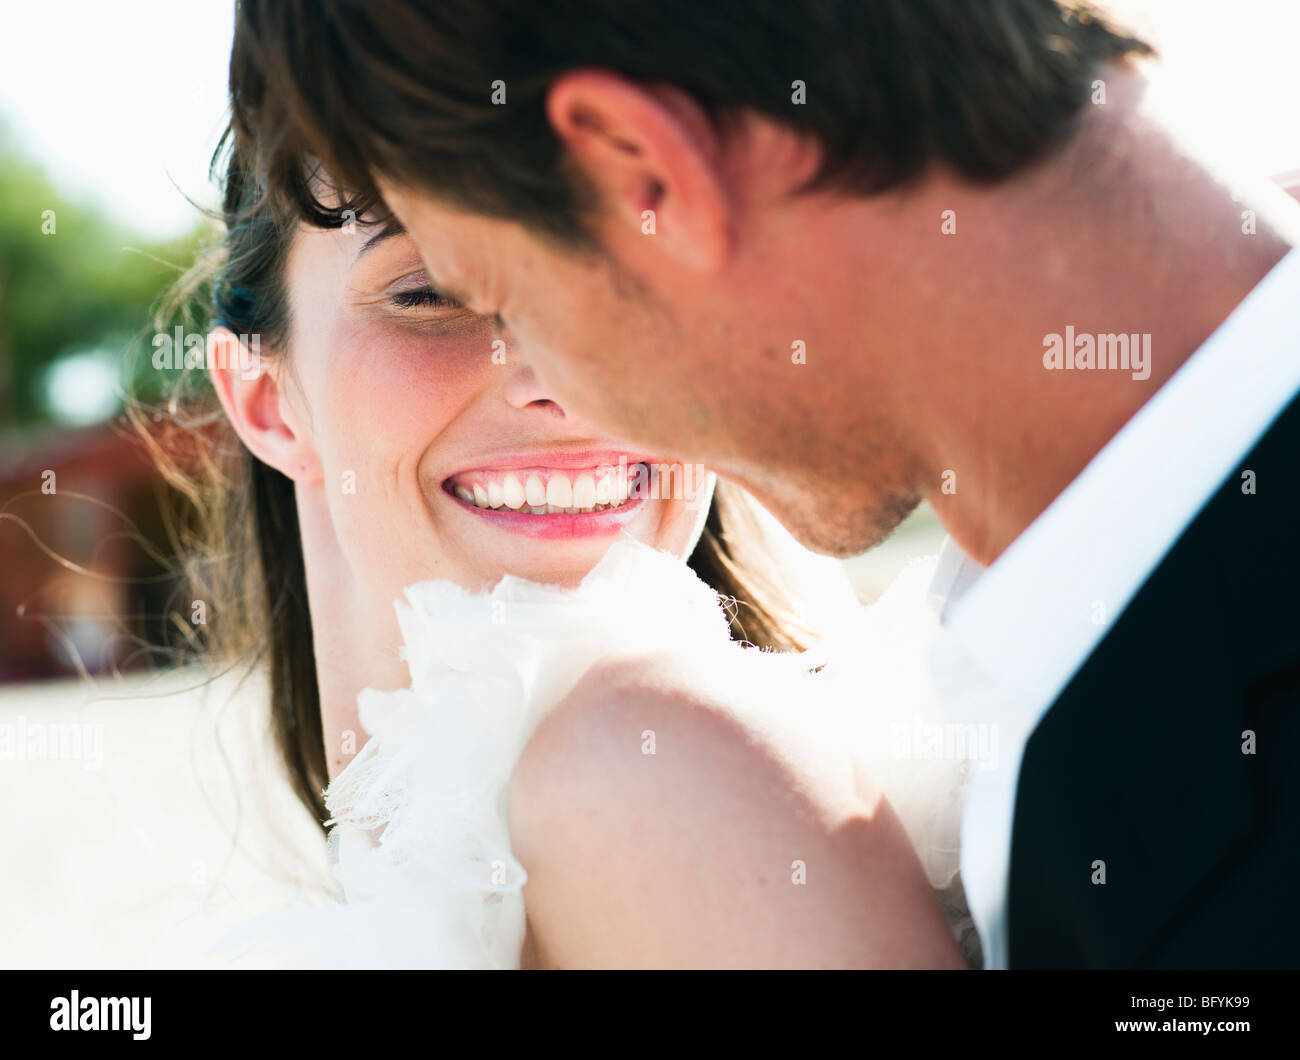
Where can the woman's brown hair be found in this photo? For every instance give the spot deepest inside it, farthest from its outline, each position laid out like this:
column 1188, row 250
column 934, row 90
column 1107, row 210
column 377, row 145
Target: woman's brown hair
column 238, row 528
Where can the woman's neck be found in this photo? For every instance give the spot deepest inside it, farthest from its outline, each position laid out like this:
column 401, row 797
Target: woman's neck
column 354, row 636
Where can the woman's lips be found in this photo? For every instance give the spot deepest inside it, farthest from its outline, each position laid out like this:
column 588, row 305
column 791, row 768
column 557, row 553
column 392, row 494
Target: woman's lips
column 552, row 502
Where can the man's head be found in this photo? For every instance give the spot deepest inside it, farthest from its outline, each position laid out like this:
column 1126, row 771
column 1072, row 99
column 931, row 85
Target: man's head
column 707, row 226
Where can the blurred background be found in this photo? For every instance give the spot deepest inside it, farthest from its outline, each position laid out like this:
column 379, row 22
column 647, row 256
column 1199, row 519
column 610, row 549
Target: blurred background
column 105, row 132
column 108, row 117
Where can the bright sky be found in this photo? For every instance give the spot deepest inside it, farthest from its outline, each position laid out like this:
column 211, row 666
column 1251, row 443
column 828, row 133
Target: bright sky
column 119, row 100
column 113, row 97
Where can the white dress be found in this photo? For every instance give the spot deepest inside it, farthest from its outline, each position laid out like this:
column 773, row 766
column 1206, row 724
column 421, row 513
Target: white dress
column 419, row 842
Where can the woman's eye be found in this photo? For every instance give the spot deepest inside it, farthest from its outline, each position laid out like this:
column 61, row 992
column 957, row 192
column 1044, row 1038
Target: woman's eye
column 422, row 298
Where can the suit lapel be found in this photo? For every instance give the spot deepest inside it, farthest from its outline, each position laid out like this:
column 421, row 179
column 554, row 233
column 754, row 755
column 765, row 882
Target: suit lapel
column 1136, row 775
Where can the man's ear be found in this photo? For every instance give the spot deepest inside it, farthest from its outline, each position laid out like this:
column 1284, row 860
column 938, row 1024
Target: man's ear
column 646, row 149
column 259, row 408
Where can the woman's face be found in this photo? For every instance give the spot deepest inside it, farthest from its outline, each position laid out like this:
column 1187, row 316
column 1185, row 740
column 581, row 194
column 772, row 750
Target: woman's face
column 441, row 455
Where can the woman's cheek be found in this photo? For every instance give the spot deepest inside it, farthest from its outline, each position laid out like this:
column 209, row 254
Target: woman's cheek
column 392, row 389
column 413, row 372
column 388, row 406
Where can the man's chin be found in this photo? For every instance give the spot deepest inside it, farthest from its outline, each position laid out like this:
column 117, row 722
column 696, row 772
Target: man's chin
column 845, row 532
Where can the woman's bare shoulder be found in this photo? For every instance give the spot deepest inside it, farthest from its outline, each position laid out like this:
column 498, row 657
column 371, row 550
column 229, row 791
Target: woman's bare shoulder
column 662, row 826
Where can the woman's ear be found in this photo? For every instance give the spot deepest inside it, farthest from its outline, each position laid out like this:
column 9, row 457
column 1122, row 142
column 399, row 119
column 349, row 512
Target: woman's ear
column 260, row 409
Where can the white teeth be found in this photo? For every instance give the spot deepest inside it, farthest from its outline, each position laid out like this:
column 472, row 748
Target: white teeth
column 559, row 492
column 514, row 492
column 584, row 492
column 535, row 492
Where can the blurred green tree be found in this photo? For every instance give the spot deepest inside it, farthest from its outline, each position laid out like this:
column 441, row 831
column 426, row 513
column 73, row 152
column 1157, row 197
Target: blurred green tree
column 72, row 279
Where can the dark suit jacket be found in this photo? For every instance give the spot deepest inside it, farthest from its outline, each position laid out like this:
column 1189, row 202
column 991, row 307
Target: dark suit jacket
column 1139, row 763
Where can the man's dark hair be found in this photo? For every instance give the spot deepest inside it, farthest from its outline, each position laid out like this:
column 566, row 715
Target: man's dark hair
column 412, row 89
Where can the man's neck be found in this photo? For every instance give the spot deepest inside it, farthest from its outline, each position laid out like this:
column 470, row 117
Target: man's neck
column 1135, row 239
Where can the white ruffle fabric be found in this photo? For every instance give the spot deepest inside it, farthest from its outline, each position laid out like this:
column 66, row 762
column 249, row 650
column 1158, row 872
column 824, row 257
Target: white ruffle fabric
column 420, row 841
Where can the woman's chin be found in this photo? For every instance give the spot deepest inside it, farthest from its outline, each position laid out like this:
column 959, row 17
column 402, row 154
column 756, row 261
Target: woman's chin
column 565, row 566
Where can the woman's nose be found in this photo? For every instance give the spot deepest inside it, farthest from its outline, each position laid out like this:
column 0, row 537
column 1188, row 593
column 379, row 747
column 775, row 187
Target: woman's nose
column 524, row 391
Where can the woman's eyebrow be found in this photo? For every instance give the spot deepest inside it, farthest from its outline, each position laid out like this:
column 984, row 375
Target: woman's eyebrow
column 392, row 227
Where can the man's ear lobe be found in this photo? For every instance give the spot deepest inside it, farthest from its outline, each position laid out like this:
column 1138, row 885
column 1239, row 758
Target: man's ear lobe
column 257, row 407
column 654, row 158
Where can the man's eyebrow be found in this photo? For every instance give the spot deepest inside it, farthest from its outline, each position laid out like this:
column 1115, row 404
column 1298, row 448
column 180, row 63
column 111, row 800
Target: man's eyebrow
column 392, row 227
